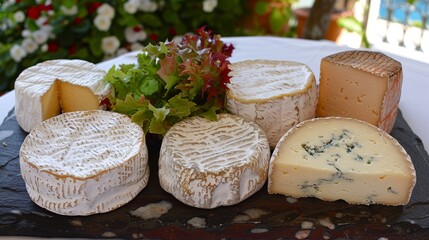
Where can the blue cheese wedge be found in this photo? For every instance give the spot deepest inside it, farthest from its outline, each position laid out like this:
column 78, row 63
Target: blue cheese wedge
column 338, row 158
column 276, row 95
column 84, row 162
column 55, row 86
column 206, row 164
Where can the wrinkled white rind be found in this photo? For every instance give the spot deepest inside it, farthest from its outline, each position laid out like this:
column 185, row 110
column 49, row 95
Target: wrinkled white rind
column 206, row 164
column 276, row 95
column 35, row 81
column 97, row 162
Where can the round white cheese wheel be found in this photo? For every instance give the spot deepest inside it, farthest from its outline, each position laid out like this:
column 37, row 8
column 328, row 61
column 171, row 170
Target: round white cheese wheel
column 84, row 162
column 276, row 95
column 55, row 86
column 336, row 158
column 206, row 164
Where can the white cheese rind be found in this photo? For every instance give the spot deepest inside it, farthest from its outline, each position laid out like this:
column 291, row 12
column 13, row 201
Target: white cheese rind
column 276, row 95
column 337, row 158
column 206, row 164
column 84, row 162
column 34, row 82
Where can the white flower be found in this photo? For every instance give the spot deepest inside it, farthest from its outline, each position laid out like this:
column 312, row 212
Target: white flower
column 8, row 3
column 131, row 6
column 19, row 16
column 17, row 53
column 41, row 36
column 136, row 46
column 102, row 22
column 148, row 6
column 110, row 44
column 69, row 11
column 121, row 51
column 29, row 45
column 134, row 34
column 46, row 28
column 3, row 27
column 25, row 33
column 41, row 21
column 44, row 47
column 106, row 10
column 209, row 5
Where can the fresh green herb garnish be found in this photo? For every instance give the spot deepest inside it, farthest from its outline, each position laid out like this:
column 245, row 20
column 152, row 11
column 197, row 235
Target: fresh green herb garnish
column 173, row 81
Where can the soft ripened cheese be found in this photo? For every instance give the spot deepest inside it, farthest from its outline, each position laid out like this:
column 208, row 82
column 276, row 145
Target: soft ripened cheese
column 84, row 162
column 337, row 158
column 276, row 95
column 51, row 87
column 207, row 164
column 360, row 84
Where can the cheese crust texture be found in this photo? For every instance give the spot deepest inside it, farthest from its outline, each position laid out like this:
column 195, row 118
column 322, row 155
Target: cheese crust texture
column 206, row 164
column 84, row 162
column 276, row 95
column 52, row 87
column 360, row 84
column 337, row 158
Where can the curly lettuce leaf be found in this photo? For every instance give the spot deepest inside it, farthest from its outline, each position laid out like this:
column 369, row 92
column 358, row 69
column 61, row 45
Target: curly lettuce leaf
column 172, row 81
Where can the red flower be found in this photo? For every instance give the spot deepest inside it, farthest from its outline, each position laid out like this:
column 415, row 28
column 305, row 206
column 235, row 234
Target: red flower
column 33, row 12
column 153, row 37
column 172, row 31
column 45, row 7
column 137, row 29
column 53, row 46
column 93, row 7
column 77, row 20
column 73, row 49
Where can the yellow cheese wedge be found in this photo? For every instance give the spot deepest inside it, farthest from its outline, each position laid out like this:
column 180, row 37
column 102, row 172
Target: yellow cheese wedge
column 360, row 84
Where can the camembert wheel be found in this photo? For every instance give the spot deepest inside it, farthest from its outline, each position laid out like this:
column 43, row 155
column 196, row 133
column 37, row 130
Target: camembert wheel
column 84, row 162
column 207, row 164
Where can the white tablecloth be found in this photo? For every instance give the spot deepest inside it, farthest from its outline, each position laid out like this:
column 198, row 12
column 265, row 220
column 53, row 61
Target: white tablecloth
column 414, row 99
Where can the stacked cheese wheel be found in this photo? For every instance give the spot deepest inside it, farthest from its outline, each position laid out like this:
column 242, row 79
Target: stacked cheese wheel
column 276, row 95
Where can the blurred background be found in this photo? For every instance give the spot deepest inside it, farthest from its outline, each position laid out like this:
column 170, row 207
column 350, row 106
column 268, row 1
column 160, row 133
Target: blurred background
column 32, row 31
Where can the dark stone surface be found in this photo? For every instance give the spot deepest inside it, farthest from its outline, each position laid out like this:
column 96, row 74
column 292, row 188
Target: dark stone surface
column 19, row 216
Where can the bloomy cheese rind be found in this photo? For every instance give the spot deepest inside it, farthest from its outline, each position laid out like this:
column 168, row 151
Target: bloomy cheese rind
column 232, row 93
column 406, row 158
column 76, row 191
column 377, row 64
column 35, row 81
column 228, row 167
column 281, row 111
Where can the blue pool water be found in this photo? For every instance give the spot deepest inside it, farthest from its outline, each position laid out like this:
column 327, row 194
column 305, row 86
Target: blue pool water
column 421, row 7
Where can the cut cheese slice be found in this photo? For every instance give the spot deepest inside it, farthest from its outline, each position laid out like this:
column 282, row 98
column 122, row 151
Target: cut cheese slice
column 360, row 84
column 276, row 95
column 84, row 162
column 206, row 164
column 52, row 87
column 337, row 158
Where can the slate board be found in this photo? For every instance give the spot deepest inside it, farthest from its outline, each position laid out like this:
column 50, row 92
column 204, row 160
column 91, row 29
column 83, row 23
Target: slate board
column 19, row 216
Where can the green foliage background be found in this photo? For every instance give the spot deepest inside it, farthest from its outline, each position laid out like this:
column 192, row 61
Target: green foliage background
column 173, row 17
